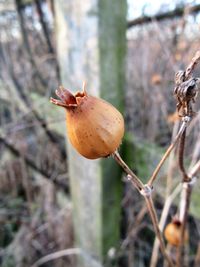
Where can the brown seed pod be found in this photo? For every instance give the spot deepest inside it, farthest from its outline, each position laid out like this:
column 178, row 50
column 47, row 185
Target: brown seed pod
column 95, row 128
column 172, row 233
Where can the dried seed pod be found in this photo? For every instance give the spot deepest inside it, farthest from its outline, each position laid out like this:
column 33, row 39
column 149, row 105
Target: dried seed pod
column 95, row 128
column 173, row 233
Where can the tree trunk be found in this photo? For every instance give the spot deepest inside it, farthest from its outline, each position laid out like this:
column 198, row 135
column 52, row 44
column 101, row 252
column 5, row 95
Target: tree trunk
column 91, row 46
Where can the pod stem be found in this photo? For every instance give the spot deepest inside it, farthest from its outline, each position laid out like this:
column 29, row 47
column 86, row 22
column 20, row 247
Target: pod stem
column 131, row 175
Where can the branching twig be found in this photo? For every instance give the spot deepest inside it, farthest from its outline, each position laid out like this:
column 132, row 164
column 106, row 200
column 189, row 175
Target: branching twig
column 146, row 191
column 185, row 91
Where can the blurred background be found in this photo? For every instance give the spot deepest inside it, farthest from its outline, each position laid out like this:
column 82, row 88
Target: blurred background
column 57, row 209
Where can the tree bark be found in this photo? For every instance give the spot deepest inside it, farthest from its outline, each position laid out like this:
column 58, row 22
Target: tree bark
column 91, row 46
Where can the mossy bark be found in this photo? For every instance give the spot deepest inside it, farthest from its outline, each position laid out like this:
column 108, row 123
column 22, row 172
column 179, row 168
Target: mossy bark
column 112, row 47
column 91, row 46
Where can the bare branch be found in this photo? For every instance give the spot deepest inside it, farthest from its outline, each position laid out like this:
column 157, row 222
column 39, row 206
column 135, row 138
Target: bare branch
column 178, row 12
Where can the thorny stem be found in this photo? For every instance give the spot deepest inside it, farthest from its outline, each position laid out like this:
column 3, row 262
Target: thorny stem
column 165, row 156
column 146, row 191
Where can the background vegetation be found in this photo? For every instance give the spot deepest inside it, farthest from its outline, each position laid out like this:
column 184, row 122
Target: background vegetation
column 35, row 201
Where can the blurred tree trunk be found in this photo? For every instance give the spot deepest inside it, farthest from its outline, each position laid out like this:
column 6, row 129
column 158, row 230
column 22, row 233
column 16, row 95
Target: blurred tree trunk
column 91, row 46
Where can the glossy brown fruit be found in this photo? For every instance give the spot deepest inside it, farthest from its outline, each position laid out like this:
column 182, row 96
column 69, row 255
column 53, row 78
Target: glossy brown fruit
column 95, row 128
column 173, row 233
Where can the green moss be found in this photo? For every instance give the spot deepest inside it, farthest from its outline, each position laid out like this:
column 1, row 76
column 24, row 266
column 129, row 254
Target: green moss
column 112, row 49
column 111, row 204
column 8, row 261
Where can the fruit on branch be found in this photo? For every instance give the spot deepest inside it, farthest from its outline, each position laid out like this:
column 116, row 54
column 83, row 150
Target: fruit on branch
column 172, row 233
column 95, row 128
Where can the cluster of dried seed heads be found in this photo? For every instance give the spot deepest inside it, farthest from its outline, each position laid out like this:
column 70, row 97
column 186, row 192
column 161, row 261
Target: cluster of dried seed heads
column 185, row 91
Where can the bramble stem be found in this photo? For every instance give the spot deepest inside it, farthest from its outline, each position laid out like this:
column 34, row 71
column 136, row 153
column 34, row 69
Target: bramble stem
column 167, row 153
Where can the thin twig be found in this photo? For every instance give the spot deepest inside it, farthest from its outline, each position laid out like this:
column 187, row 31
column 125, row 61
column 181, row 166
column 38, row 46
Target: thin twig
column 163, row 218
column 184, row 209
column 56, row 255
column 194, row 169
column 88, row 259
column 154, row 219
column 171, row 164
column 168, row 201
column 167, row 153
column 195, row 60
column 181, row 156
column 133, row 177
column 137, row 226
